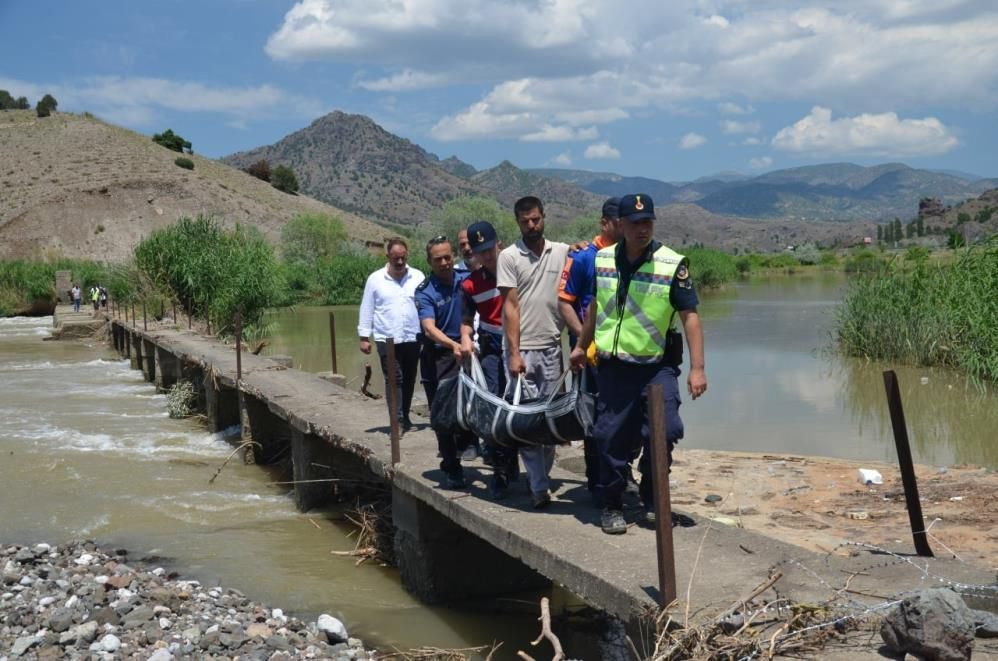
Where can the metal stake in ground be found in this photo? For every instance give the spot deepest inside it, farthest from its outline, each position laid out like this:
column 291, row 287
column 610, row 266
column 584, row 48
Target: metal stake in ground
column 393, row 403
column 133, row 314
column 663, row 504
column 239, row 349
column 906, row 465
column 145, row 326
column 332, row 340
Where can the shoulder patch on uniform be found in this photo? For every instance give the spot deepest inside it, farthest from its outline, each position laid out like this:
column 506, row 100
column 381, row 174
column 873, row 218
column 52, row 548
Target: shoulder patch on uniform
column 423, row 285
column 682, row 273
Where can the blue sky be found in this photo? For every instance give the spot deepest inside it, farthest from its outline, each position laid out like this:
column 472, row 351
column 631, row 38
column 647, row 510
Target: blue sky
column 671, row 90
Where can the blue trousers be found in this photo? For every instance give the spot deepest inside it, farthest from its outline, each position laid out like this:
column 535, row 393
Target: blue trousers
column 622, row 423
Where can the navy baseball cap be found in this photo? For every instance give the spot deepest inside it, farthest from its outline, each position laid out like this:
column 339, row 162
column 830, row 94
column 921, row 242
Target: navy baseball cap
column 637, row 207
column 481, row 236
column 611, row 208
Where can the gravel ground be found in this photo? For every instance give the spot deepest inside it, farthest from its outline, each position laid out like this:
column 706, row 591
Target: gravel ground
column 79, row 602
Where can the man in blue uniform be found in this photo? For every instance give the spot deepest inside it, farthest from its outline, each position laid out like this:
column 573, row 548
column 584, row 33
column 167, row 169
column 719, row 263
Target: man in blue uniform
column 440, row 303
column 640, row 286
column 573, row 301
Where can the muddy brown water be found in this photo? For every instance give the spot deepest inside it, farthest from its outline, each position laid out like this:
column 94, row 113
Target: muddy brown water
column 88, row 451
column 774, row 384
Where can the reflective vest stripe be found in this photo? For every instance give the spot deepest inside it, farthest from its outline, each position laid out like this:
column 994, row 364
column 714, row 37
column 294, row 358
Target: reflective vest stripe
column 485, row 295
column 492, row 328
column 647, row 324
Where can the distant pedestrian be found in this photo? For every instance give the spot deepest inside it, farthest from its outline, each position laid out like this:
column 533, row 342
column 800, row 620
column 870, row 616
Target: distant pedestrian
column 388, row 310
column 103, row 297
column 528, row 275
column 95, row 297
column 75, row 294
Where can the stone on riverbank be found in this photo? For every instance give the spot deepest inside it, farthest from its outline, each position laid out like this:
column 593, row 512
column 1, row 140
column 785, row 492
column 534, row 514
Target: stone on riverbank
column 932, row 624
column 75, row 601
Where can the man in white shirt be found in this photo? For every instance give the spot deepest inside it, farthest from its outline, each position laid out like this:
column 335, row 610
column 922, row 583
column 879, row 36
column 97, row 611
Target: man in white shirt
column 388, row 310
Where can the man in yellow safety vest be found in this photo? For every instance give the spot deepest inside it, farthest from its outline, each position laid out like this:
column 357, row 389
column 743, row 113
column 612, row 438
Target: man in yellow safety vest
column 640, row 285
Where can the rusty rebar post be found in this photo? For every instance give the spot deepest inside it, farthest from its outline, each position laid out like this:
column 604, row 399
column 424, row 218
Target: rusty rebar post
column 393, row 403
column 914, row 505
column 663, row 504
column 332, row 340
column 239, row 349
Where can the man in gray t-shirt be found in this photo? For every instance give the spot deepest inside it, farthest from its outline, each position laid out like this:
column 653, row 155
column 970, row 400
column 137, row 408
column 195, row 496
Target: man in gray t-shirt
column 527, row 275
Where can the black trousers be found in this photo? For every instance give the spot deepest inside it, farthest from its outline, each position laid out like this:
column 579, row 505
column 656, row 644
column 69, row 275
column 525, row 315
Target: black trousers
column 406, row 363
column 506, row 461
column 449, row 445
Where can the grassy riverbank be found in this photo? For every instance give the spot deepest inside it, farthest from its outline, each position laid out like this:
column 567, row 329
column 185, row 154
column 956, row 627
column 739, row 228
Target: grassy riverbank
column 927, row 313
column 30, row 285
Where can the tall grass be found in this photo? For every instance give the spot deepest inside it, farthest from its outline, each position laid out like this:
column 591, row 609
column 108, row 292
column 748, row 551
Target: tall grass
column 23, row 282
column 926, row 313
column 711, row 268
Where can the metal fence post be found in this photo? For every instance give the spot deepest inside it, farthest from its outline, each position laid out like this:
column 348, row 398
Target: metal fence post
column 332, row 340
column 663, row 504
column 393, row 403
column 239, row 349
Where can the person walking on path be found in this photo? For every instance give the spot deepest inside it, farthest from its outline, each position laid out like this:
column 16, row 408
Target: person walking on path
column 527, row 276
column 95, row 297
column 573, row 301
column 76, row 294
column 440, row 302
column 639, row 287
column 484, row 303
column 388, row 310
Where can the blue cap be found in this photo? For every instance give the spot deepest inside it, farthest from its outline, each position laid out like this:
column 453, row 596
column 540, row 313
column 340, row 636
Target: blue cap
column 637, row 207
column 611, row 208
column 481, row 236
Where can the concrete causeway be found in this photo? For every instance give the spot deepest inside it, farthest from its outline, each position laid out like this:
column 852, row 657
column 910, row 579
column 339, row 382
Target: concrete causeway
column 460, row 544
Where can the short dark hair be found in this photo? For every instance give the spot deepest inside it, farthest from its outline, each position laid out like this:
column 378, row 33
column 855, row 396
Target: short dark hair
column 528, row 203
column 396, row 241
column 436, row 241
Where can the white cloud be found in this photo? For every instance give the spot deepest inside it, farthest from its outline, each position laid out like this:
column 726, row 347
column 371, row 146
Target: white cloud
column 549, row 133
column 857, row 55
column 884, row 134
column 752, row 142
column 732, row 126
column 760, row 163
column 563, row 159
column 601, row 150
column 405, row 81
column 728, row 108
column 692, row 141
column 134, row 101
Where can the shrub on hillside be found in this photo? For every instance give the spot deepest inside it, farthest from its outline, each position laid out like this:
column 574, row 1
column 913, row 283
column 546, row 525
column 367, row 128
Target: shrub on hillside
column 8, row 102
column 460, row 212
column 308, row 238
column 46, row 106
column 172, row 141
column 283, row 179
column 260, row 170
column 183, row 162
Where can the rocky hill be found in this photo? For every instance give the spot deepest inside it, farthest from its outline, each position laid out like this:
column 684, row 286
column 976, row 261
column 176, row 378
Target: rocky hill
column 76, row 186
column 830, row 191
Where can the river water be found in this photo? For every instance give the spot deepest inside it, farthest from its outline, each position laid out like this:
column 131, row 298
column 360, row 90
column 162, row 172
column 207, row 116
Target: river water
column 774, row 384
column 88, row 451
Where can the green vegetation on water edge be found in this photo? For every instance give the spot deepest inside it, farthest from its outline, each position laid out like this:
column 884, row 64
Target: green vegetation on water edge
column 24, row 283
column 916, row 311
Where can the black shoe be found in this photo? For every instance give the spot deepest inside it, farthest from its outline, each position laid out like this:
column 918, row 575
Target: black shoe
column 498, row 487
column 540, row 499
column 612, row 522
column 455, row 482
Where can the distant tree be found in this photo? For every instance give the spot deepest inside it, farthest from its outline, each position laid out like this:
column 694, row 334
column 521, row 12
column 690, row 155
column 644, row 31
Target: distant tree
column 283, row 179
column 172, row 141
column 49, row 101
column 962, row 218
column 22, row 103
column 6, row 100
column 898, row 232
column 984, row 215
column 889, row 233
column 920, row 226
column 909, row 230
column 460, row 212
column 42, row 109
column 260, row 170
column 311, row 238
column 880, row 233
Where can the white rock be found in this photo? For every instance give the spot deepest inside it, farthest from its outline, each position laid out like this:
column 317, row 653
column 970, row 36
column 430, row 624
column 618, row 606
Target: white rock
column 102, row 579
column 164, row 623
column 46, row 601
column 110, row 643
column 214, row 594
column 161, row 655
column 212, row 629
column 277, row 614
column 159, row 571
column 72, row 601
column 124, row 594
column 84, row 559
column 26, row 580
column 334, row 630
column 42, row 548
